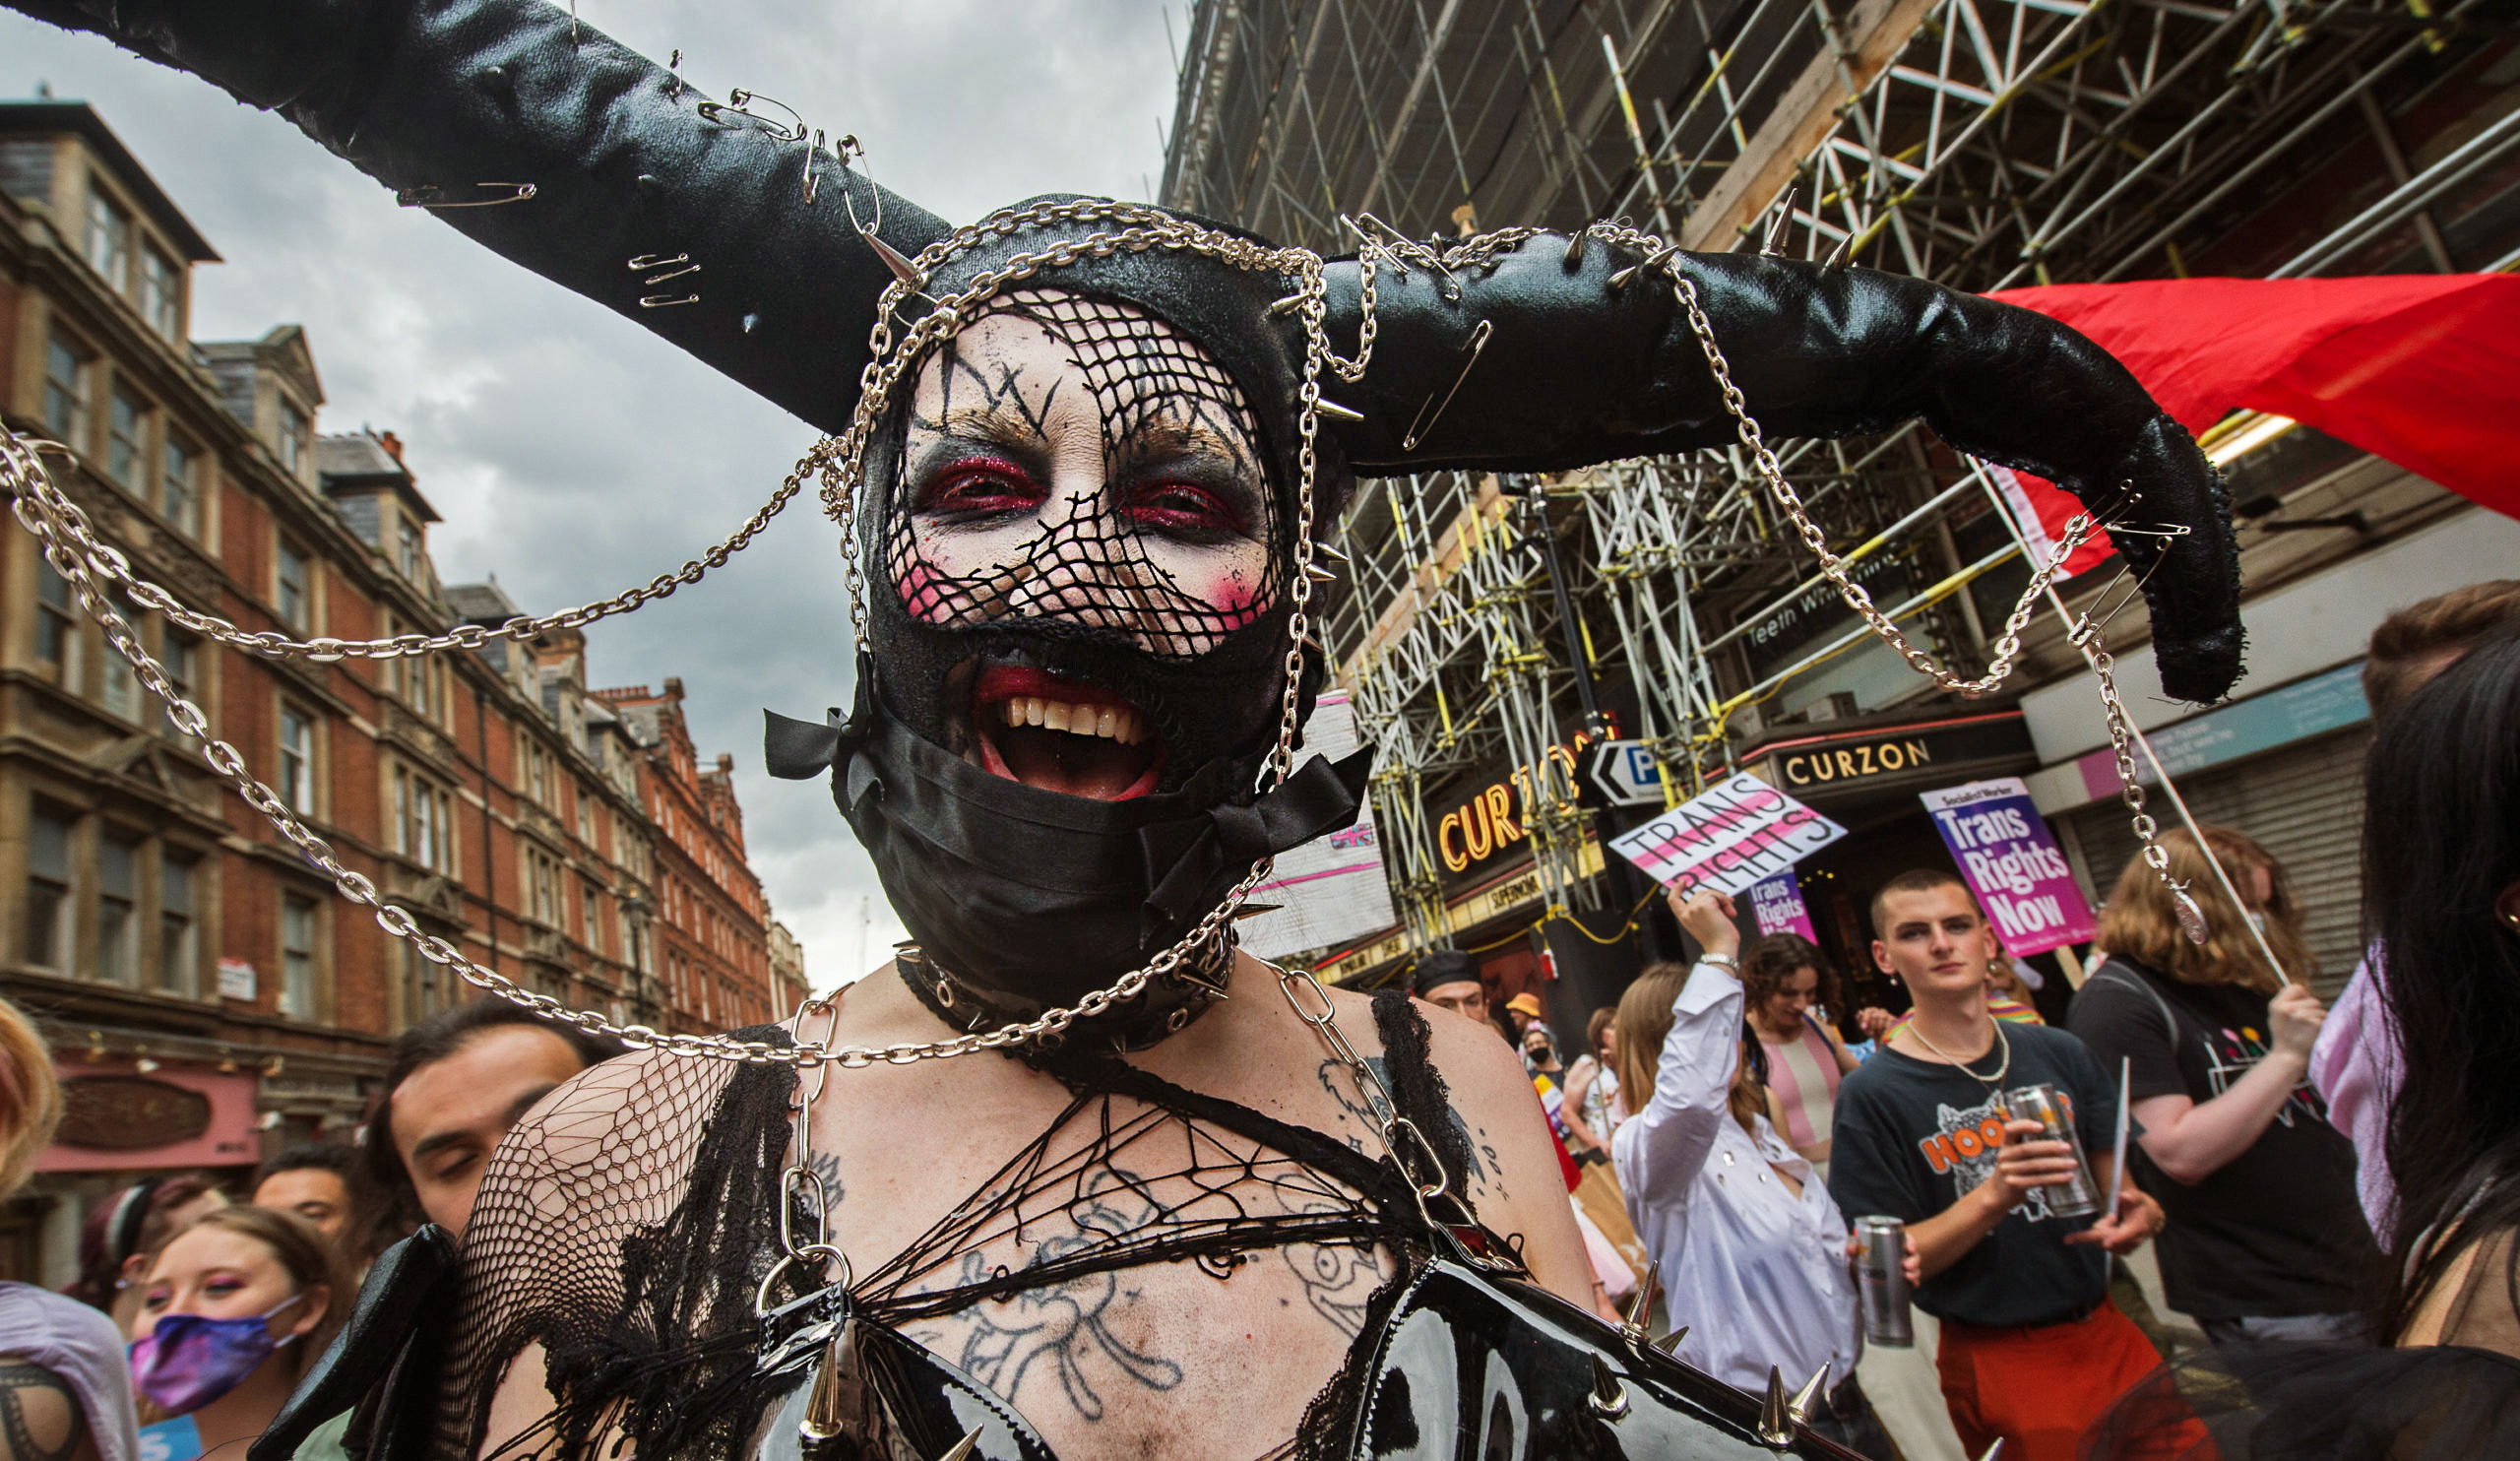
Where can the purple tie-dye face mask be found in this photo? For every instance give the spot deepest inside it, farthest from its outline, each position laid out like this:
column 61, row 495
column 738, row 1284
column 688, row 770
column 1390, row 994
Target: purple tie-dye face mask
column 189, row 1361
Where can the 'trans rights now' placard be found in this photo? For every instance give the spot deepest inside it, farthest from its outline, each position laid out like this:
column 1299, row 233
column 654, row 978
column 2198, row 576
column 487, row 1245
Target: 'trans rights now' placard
column 1728, row 837
column 2012, row 863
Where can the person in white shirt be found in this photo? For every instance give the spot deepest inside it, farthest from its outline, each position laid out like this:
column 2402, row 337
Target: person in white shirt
column 1751, row 1251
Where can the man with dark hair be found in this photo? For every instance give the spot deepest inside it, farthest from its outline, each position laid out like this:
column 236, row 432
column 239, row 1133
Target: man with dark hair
column 457, row 1082
column 1447, row 980
column 2032, row 1348
column 2354, row 1064
column 311, row 1179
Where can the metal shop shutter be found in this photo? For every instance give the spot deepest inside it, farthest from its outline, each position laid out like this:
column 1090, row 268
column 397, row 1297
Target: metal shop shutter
column 2305, row 803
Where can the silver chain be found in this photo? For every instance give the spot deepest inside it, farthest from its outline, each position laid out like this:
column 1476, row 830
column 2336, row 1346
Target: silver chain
column 2087, row 634
column 71, row 545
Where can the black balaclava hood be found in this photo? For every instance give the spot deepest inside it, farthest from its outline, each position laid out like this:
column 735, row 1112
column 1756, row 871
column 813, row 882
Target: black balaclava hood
column 1031, row 897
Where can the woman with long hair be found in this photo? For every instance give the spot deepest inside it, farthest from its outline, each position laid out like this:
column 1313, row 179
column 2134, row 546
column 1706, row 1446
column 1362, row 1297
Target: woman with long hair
column 1784, row 978
column 1749, row 1246
column 2266, row 1238
column 1592, row 1082
column 2441, row 896
column 232, row 1311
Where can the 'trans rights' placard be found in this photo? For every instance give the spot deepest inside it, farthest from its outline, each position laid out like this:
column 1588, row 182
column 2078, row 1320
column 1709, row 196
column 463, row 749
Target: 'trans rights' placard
column 2012, row 863
column 1728, row 837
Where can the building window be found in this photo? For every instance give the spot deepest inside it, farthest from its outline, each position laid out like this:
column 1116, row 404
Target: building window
column 178, row 957
column 296, row 759
column 122, row 686
column 161, row 294
column 586, row 817
column 179, row 485
column 126, row 437
column 180, row 655
column 293, row 578
column 590, row 917
column 56, row 639
column 68, row 374
column 48, row 888
column 416, row 679
column 108, row 239
column 423, row 821
column 298, row 956
column 294, row 428
column 424, row 983
column 117, row 891
column 408, row 549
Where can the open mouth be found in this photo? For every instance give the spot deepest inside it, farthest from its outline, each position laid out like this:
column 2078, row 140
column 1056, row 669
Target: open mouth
column 1061, row 735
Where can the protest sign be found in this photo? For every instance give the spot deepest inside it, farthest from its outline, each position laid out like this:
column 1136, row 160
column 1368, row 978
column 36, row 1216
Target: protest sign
column 2013, row 865
column 1332, row 889
column 1776, row 906
column 1738, row 832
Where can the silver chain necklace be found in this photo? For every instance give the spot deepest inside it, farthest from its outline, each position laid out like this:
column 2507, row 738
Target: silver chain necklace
column 1994, row 1084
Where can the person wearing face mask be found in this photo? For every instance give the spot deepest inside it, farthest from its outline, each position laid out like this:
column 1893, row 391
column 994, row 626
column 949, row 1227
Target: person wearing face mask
column 2266, row 1236
column 1091, row 457
column 233, row 1310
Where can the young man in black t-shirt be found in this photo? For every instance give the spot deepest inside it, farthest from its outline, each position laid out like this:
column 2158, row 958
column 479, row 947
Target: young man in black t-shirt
column 2031, row 1350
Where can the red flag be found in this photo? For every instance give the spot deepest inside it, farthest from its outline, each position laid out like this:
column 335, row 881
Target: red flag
column 2422, row 369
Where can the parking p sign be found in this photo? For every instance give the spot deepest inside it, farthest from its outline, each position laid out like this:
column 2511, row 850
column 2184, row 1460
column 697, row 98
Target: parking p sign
column 1624, row 773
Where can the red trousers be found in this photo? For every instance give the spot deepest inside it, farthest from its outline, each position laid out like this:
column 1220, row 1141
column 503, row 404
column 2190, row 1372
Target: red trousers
column 2039, row 1389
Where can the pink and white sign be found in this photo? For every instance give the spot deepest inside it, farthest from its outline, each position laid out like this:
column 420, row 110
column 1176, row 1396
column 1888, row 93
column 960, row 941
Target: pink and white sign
column 1777, row 907
column 2012, row 862
column 1736, row 833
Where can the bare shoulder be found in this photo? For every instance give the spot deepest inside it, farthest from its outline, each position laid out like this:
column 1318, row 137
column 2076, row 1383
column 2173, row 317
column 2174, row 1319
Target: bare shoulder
column 40, row 1417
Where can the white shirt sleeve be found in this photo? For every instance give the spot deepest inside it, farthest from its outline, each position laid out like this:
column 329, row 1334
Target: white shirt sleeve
column 1660, row 1149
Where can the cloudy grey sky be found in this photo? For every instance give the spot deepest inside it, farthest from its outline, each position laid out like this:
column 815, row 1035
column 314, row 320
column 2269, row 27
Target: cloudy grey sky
column 571, row 453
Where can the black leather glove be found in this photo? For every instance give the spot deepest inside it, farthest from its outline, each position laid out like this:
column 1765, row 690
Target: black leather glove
column 447, row 94
column 1578, row 371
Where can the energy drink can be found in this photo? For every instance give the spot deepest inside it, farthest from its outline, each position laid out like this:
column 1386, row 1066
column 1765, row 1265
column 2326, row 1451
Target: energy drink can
column 2078, row 1196
column 1881, row 1282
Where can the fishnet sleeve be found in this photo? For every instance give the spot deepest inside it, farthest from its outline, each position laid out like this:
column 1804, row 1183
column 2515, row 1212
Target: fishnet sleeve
column 622, row 1230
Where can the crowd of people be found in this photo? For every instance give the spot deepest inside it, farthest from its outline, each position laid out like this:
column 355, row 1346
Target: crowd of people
column 197, row 1310
column 2325, row 1206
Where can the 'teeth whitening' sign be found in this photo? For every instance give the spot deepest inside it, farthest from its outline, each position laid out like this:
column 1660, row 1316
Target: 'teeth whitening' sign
column 2013, row 865
column 1736, row 833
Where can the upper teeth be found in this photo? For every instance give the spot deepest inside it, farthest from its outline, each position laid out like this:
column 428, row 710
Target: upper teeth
column 1111, row 722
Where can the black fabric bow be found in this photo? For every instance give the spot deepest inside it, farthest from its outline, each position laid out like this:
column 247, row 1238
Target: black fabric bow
column 1185, row 858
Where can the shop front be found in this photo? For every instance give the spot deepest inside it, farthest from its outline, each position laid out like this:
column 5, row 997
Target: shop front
column 126, row 1117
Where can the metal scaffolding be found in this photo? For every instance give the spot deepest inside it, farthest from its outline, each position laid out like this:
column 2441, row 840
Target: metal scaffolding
column 1985, row 144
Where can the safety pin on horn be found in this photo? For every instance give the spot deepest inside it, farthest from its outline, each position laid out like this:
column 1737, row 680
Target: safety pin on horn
column 912, row 278
column 1426, row 421
column 432, row 196
column 738, row 98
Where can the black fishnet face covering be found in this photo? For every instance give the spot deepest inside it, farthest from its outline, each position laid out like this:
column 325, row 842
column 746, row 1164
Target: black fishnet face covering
column 626, row 1232
column 1174, row 538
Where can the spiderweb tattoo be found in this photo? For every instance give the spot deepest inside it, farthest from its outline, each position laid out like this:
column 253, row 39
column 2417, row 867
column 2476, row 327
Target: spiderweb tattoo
column 1160, row 398
column 627, row 1230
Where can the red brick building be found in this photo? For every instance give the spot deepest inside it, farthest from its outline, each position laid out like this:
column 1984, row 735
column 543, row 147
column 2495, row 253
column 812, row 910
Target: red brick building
column 713, row 930
column 209, row 995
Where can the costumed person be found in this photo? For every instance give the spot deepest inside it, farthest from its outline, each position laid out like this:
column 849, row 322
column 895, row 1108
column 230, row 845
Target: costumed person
column 1085, row 452
column 2441, row 894
column 2265, row 1238
column 65, row 1389
column 232, row 1311
column 1749, row 1245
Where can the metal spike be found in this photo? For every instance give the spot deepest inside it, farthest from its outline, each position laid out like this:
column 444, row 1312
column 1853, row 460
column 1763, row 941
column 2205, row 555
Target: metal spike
column 1776, row 226
column 1775, row 1424
column 1310, row 643
column 1287, row 305
column 1337, row 413
column 1255, row 910
column 1608, row 1399
column 1319, row 574
column 902, row 269
column 1670, row 1344
column 1325, row 550
column 1994, row 1451
column 1799, row 1407
column 1640, row 1308
column 962, row 1448
column 1837, row 256
column 1621, row 280
column 1575, row 247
